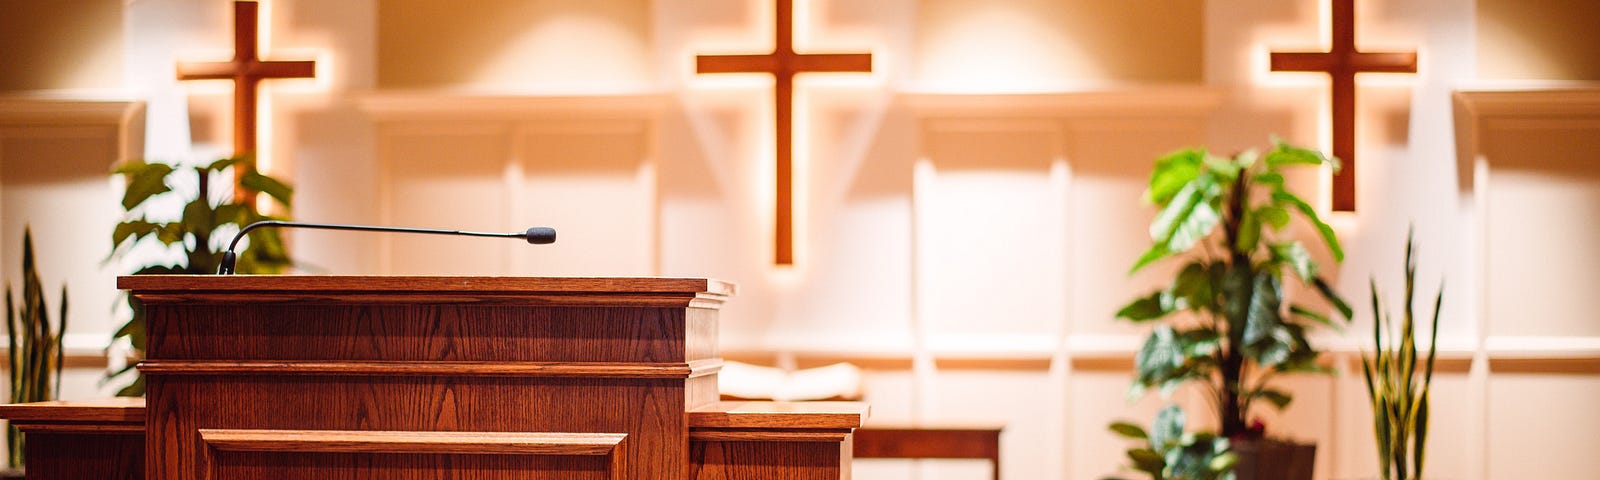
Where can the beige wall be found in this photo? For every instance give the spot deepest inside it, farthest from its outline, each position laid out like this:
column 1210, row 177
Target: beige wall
column 540, row 45
column 1055, row 44
column 60, row 44
column 1539, row 39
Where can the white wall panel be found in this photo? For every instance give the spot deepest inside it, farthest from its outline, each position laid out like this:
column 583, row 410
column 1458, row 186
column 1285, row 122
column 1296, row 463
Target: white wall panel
column 594, row 183
column 448, row 178
column 988, row 220
column 1540, row 425
column 56, row 157
column 1542, row 180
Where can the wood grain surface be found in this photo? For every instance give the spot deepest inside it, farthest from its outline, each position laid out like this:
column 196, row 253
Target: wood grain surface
column 119, row 409
column 459, row 369
column 777, row 415
column 346, row 284
column 98, row 456
column 402, row 354
column 419, row 333
column 648, row 411
column 333, row 378
column 767, row 435
column 368, row 466
column 771, row 460
column 462, row 443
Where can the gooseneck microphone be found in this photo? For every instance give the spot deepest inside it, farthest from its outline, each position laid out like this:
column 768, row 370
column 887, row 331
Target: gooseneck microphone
column 534, row 235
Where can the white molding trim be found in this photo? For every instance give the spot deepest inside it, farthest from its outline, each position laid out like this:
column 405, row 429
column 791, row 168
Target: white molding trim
column 1542, row 347
column 999, row 349
column 126, row 116
column 32, row 110
column 1478, row 110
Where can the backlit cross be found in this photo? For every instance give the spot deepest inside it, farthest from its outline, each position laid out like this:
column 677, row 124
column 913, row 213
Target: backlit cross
column 246, row 70
column 1342, row 64
column 783, row 63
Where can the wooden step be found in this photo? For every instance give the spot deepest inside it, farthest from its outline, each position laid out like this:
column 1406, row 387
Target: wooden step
column 101, row 438
column 733, row 440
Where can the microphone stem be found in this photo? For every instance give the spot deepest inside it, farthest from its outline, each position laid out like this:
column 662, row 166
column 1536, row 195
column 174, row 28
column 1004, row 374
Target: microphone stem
column 362, row 228
column 229, row 257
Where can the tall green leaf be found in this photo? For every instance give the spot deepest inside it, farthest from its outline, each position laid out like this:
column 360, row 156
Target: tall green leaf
column 1149, row 307
column 1273, row 215
column 1286, row 154
column 1192, row 288
column 1168, row 427
column 1400, row 403
column 1282, row 198
column 1129, row 430
column 1172, row 216
column 1158, row 357
column 1172, row 173
column 279, row 191
column 1332, row 297
column 35, row 354
column 1296, row 257
column 145, row 180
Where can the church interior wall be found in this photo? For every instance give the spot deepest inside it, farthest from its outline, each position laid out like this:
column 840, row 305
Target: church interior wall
column 1540, row 39
column 53, row 48
column 966, row 247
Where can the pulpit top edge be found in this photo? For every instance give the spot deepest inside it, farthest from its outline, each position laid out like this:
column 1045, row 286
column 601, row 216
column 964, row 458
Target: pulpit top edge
column 416, row 284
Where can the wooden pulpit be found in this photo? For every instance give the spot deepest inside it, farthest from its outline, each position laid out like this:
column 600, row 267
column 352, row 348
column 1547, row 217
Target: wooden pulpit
column 342, row 377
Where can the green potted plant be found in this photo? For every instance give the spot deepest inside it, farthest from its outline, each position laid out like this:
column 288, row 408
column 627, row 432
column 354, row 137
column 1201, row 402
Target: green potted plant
column 35, row 348
column 1170, row 453
column 1226, row 320
column 1399, row 401
column 208, row 220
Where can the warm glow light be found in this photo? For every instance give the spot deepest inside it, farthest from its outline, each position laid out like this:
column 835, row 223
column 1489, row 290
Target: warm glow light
column 611, row 60
column 995, row 47
column 800, row 206
column 800, row 125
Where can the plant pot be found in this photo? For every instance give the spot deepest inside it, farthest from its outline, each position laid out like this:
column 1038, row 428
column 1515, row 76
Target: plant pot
column 12, row 474
column 1268, row 459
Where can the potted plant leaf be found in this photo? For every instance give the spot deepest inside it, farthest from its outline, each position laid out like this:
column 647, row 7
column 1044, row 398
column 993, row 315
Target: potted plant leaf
column 1170, row 453
column 1226, row 321
column 208, row 219
column 35, row 354
column 1399, row 400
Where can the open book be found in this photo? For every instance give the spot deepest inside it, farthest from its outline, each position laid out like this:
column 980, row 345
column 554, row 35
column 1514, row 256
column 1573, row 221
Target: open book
column 743, row 381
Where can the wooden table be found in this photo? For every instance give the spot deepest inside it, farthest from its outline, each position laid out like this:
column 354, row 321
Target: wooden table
column 930, row 441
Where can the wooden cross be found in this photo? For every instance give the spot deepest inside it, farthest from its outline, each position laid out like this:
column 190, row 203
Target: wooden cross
column 783, row 63
column 247, row 71
column 1342, row 64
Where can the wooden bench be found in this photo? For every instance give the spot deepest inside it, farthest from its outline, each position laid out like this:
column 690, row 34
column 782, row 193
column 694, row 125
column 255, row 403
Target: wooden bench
column 965, row 441
column 100, row 439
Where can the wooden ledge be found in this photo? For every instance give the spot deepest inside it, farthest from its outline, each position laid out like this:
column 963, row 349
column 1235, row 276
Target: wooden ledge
column 100, row 410
column 407, row 368
column 779, row 415
column 454, row 443
column 346, row 284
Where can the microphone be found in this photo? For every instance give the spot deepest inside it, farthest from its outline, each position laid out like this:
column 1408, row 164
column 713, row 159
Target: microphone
column 534, row 235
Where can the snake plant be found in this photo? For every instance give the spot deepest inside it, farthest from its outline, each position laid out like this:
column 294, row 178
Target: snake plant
column 36, row 354
column 1399, row 398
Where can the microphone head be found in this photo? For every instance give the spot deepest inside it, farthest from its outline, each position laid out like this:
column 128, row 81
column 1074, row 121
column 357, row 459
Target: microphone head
column 541, row 235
